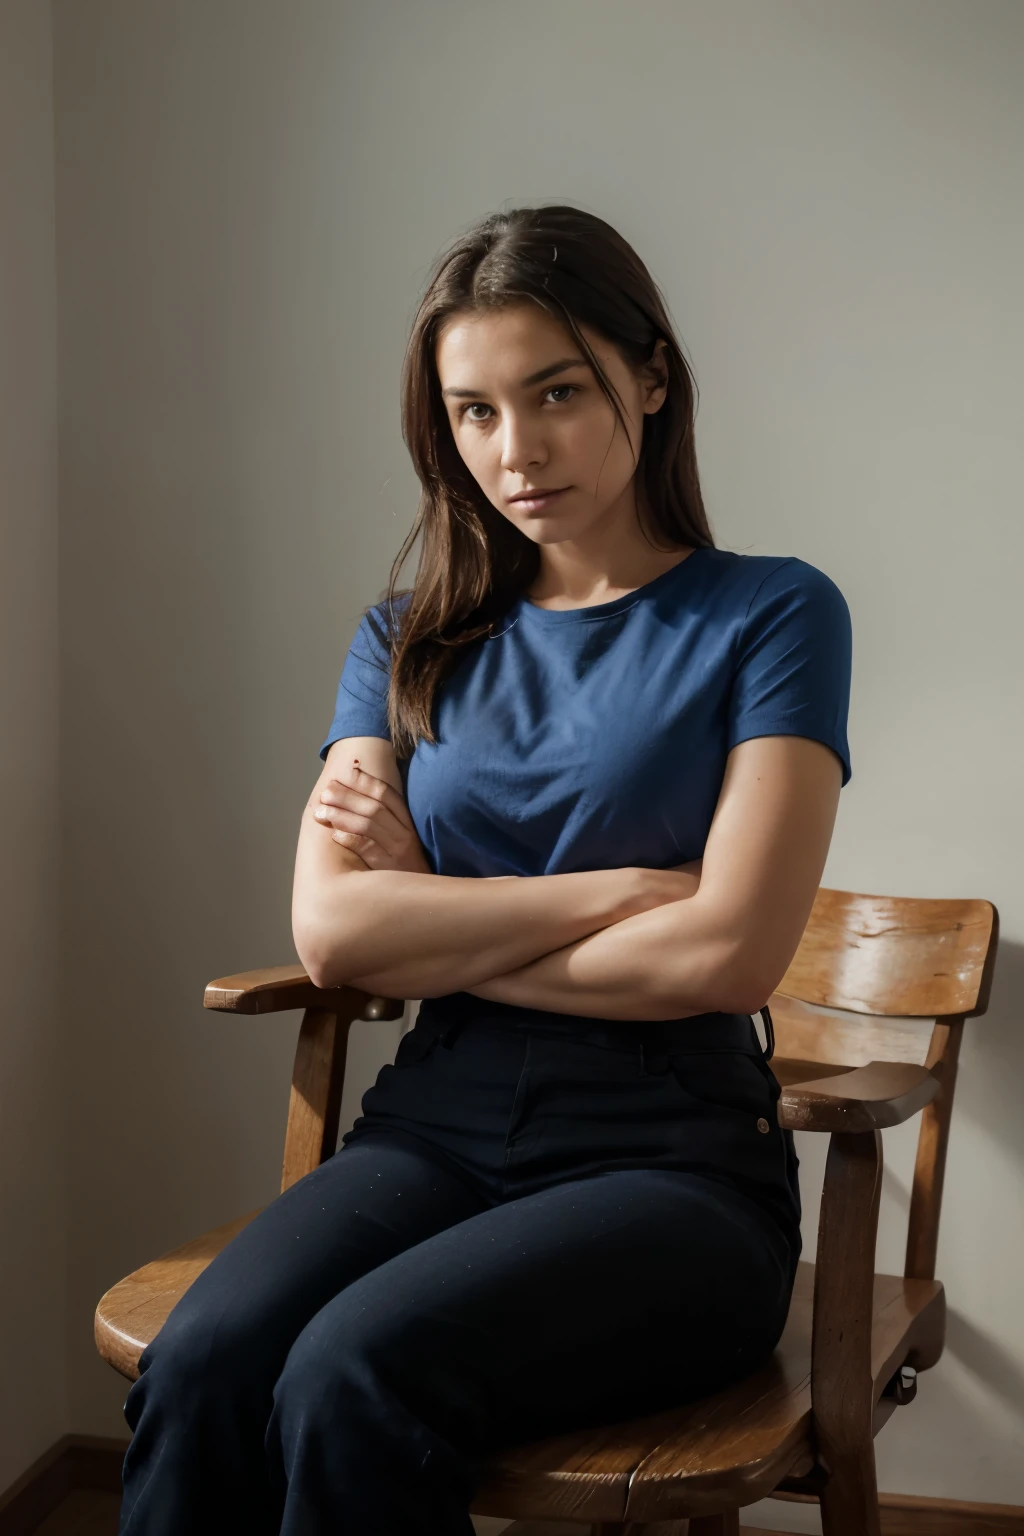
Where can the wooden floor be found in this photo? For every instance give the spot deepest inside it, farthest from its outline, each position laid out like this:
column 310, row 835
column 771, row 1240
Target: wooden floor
column 86, row 1513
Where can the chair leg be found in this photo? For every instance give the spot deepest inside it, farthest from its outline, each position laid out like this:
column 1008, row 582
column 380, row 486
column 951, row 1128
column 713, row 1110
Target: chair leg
column 716, row 1525
column 849, row 1500
column 841, row 1390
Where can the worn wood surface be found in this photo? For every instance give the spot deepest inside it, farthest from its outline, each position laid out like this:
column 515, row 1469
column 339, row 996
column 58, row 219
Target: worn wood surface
column 135, row 1309
column 89, row 1512
column 932, row 1142
column 909, row 1515
column 906, row 1515
column 805, row 1033
column 318, row 1077
column 487, row 1527
column 864, row 1099
column 905, row 973
column 842, row 1393
column 279, row 988
column 914, row 957
column 731, row 1447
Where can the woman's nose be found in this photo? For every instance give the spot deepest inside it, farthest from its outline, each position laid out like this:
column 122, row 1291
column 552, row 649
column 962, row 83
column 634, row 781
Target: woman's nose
column 522, row 446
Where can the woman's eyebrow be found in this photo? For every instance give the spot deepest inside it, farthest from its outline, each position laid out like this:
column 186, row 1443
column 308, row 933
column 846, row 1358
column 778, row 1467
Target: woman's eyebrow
column 534, row 378
column 551, row 370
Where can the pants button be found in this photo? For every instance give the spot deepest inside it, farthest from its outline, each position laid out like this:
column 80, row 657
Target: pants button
column 763, row 1126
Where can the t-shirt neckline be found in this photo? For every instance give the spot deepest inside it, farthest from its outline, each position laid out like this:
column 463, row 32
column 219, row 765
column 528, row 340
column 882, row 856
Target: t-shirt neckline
column 523, row 607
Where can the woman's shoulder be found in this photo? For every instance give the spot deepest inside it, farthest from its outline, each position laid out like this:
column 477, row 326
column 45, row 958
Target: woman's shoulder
column 749, row 573
column 752, row 585
column 380, row 621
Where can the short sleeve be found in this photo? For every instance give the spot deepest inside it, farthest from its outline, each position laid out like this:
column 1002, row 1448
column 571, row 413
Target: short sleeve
column 794, row 662
column 361, row 706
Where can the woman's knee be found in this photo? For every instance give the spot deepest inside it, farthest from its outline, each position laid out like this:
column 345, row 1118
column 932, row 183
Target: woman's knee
column 361, row 1356
column 335, row 1358
column 209, row 1348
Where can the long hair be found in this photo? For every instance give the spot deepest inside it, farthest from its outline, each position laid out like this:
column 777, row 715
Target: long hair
column 474, row 562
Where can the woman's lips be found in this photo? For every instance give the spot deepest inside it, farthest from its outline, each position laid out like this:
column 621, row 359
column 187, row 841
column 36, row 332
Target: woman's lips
column 540, row 502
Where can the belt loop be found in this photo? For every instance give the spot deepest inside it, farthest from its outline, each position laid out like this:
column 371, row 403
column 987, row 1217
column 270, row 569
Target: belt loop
column 769, row 1034
column 451, row 1034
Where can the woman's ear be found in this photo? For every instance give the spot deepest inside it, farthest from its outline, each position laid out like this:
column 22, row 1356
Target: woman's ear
column 655, row 377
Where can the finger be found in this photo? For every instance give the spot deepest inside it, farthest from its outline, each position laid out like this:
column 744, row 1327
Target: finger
column 337, row 793
column 380, row 789
column 390, row 837
column 354, row 840
column 365, row 848
column 383, row 809
column 365, row 815
column 360, row 846
column 368, row 784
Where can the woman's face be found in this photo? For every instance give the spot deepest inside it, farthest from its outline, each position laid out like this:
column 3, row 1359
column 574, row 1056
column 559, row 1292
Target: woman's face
column 532, row 425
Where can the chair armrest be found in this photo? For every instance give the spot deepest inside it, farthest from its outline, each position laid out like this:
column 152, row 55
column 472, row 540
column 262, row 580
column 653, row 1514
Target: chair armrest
column 866, row 1099
column 280, row 987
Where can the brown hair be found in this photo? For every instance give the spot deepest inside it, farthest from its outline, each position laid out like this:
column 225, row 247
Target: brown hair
column 473, row 562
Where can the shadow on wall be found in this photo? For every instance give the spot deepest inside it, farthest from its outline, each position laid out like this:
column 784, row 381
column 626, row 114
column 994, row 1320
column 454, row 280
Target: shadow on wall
column 986, row 1358
column 992, row 1067
column 987, row 1094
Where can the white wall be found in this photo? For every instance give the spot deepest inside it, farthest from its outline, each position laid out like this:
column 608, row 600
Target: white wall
column 249, row 196
column 32, row 1236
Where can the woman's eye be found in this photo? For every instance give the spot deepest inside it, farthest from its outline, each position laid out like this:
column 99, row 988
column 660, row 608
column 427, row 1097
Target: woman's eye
column 563, row 391
column 477, row 405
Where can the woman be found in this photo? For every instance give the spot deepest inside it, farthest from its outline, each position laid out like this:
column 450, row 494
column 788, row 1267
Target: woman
column 577, row 796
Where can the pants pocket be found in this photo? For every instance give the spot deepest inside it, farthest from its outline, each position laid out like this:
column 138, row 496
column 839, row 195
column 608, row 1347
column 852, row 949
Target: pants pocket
column 736, row 1081
column 415, row 1045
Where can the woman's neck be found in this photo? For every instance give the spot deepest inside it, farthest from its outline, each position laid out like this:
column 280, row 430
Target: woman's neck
column 579, row 573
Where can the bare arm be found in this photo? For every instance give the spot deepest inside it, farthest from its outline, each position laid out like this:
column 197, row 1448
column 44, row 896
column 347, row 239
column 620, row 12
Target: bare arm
column 728, row 945
column 405, row 933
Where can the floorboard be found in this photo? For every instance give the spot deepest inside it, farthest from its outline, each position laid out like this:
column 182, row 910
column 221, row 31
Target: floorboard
column 87, row 1513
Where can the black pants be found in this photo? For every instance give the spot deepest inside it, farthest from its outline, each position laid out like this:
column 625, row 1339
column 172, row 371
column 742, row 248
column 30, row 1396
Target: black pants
column 526, row 1231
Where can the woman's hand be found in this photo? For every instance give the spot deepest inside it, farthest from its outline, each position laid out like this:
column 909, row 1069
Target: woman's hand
column 368, row 816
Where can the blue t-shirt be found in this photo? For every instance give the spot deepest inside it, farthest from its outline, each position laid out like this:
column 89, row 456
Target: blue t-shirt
column 596, row 738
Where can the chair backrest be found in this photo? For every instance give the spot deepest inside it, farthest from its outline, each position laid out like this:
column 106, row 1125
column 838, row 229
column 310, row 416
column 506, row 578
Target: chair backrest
column 913, row 956
column 892, row 965
column 903, row 972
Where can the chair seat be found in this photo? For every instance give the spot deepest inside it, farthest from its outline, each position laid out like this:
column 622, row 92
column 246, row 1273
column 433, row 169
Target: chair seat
column 134, row 1310
column 723, row 1451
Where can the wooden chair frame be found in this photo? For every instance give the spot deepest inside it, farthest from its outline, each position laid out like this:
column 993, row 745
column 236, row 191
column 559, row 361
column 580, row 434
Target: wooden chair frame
column 806, row 1422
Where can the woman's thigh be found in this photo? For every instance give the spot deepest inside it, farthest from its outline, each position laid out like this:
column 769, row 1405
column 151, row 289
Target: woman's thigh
column 369, row 1202
column 601, row 1297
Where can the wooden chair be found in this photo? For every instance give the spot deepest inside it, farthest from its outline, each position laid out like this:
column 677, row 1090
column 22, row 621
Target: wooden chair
column 905, row 973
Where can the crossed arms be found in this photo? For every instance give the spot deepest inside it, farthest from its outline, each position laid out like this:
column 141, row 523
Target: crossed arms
column 617, row 944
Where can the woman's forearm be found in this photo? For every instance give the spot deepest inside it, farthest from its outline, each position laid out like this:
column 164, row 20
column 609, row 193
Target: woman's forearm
column 417, row 935
column 728, row 947
column 670, row 962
